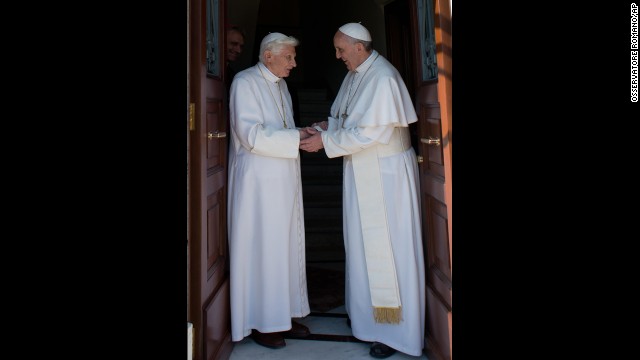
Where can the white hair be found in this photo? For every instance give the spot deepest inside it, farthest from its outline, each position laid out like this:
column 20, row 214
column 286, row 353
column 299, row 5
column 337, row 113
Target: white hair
column 276, row 44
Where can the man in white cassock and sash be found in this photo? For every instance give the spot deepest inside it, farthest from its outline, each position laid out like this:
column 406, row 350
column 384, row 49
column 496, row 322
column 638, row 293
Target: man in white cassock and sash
column 265, row 209
column 368, row 127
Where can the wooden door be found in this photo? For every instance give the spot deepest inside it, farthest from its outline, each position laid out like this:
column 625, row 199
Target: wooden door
column 208, row 274
column 431, row 23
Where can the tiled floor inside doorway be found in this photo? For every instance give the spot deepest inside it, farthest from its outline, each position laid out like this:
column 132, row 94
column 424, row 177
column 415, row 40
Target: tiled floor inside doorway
column 331, row 339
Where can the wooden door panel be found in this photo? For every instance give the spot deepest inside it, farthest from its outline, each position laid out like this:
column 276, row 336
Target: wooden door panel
column 209, row 308
column 431, row 20
column 438, row 264
column 216, row 248
column 217, row 320
column 434, row 145
column 216, row 187
column 432, row 188
column 216, row 136
column 438, row 327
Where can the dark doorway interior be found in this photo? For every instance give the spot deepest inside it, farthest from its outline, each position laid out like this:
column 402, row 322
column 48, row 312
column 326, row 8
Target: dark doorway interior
column 322, row 191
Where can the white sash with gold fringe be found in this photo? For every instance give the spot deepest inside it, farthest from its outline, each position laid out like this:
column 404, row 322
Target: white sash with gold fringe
column 381, row 270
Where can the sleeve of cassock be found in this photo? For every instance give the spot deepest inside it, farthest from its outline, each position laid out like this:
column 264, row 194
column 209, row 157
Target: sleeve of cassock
column 258, row 126
column 351, row 140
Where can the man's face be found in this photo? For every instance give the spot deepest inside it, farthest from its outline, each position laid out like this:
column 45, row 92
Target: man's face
column 235, row 42
column 346, row 51
column 280, row 64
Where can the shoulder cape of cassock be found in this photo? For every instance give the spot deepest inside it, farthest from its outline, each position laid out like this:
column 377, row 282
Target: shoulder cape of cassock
column 381, row 97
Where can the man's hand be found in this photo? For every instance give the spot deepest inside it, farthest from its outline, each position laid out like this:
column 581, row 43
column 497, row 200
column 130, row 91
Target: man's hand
column 306, row 132
column 313, row 143
column 324, row 125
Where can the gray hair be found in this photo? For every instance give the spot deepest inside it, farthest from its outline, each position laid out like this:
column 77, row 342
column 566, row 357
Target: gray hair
column 276, row 46
column 368, row 45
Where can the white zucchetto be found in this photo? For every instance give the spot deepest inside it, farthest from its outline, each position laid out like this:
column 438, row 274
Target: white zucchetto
column 356, row 31
column 272, row 37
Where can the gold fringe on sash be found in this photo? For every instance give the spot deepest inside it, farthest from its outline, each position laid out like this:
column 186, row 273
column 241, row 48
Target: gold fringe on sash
column 387, row 315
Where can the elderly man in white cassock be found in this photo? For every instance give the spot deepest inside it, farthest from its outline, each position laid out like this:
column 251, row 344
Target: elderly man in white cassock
column 368, row 127
column 265, row 210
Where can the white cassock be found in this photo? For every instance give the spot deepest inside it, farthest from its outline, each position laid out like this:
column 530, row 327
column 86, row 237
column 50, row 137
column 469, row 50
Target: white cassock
column 265, row 209
column 379, row 108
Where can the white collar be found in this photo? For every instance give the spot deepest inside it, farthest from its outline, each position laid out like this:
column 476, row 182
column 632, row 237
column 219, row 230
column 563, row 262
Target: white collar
column 268, row 74
column 365, row 65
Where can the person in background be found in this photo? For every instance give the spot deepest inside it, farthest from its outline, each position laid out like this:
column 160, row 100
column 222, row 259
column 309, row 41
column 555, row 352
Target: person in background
column 234, row 46
column 265, row 208
column 368, row 128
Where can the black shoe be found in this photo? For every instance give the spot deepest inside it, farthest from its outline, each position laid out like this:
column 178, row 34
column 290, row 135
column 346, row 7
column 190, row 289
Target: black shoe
column 270, row 340
column 298, row 331
column 380, row 350
column 349, row 322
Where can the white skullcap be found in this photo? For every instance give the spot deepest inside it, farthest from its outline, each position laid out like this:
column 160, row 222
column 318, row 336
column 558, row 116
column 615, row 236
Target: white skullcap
column 272, row 37
column 356, row 31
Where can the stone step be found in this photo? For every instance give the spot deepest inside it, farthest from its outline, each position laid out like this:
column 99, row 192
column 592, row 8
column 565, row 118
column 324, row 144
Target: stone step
column 321, row 185
column 319, row 174
column 321, row 216
column 314, row 200
column 324, row 243
column 322, row 175
column 323, row 225
column 310, row 120
column 332, row 256
column 319, row 158
column 314, row 107
column 311, row 94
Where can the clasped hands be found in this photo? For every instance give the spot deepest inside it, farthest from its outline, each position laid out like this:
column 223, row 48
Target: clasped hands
column 310, row 139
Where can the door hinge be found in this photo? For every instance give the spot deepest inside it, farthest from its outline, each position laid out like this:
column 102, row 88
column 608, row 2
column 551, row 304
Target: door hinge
column 192, row 115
